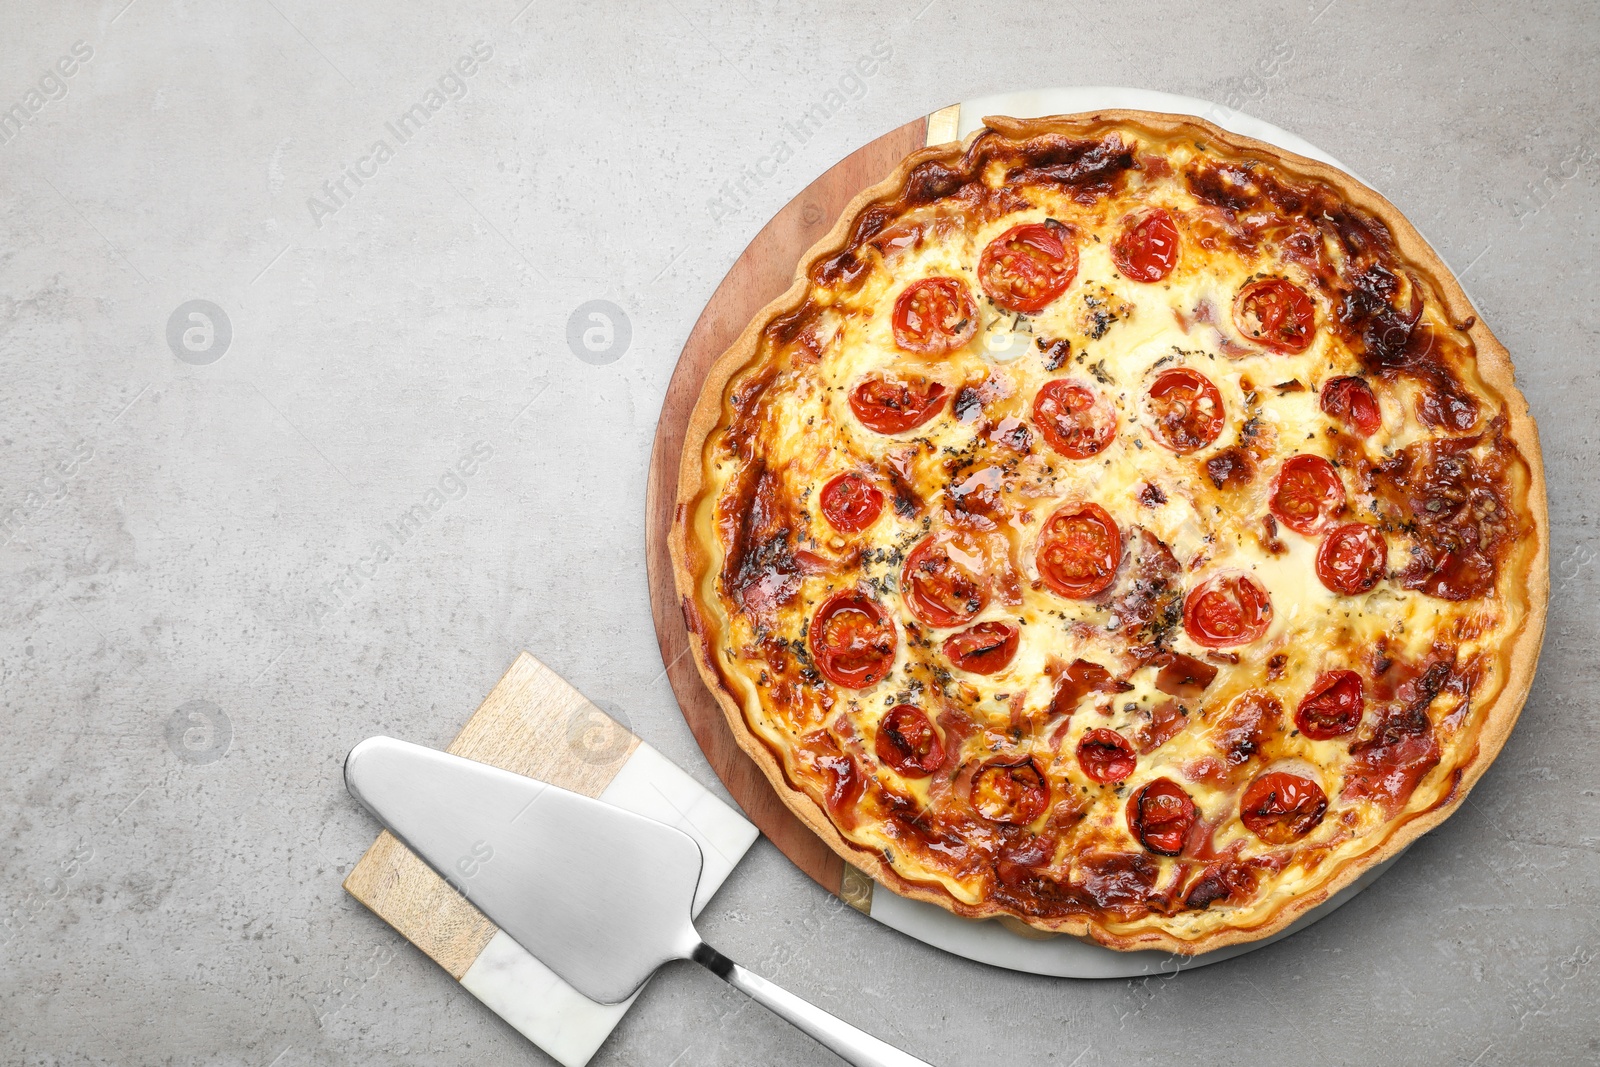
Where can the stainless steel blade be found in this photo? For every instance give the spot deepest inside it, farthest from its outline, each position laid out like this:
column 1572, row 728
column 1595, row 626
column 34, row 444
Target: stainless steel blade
column 602, row 896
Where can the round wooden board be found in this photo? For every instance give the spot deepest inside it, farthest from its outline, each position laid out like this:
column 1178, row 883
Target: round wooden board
column 761, row 274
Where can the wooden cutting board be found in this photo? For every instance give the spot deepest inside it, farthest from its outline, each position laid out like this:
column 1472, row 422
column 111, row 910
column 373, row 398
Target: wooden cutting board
column 535, row 724
column 761, row 274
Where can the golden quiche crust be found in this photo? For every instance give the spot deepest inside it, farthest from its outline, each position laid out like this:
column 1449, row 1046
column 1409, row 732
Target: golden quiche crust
column 1165, row 691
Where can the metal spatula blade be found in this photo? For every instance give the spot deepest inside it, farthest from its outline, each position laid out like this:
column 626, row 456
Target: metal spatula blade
column 600, row 895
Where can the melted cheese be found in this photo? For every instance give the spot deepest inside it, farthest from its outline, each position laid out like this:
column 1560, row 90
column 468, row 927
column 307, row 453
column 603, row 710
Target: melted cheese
column 1121, row 334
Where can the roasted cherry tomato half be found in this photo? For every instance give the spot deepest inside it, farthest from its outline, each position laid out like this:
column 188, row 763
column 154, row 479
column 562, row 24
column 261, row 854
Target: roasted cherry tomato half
column 1351, row 401
column 935, row 316
column 852, row 640
column 1106, row 756
column 986, row 648
column 1281, row 808
column 1147, row 250
column 1010, row 791
column 908, row 742
column 943, row 581
column 1307, row 494
column 1227, row 610
column 1353, row 558
column 1074, row 420
column 1186, row 412
column 1079, row 551
column 890, row 404
column 1332, row 707
column 850, row 502
column 1160, row 816
column 1028, row 266
column 1276, row 314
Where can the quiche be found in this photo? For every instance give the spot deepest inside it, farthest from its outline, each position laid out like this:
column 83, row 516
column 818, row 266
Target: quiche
column 1120, row 525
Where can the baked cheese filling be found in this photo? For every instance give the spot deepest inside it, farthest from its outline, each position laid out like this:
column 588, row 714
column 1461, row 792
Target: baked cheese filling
column 1119, row 533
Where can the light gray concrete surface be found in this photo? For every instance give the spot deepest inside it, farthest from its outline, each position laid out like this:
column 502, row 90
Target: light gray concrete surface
column 188, row 531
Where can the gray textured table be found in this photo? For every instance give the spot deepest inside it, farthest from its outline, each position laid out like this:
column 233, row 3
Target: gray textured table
column 196, row 622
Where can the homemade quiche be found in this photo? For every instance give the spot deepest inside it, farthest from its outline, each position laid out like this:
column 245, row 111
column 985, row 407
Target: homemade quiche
column 1121, row 525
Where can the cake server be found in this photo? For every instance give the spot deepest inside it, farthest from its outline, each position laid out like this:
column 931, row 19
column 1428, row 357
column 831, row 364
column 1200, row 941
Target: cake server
column 600, row 895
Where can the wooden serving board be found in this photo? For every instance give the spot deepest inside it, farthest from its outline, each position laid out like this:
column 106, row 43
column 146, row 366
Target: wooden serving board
column 521, row 726
column 535, row 724
column 761, row 274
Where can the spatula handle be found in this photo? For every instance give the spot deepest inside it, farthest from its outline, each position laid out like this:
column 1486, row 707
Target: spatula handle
column 852, row 1045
